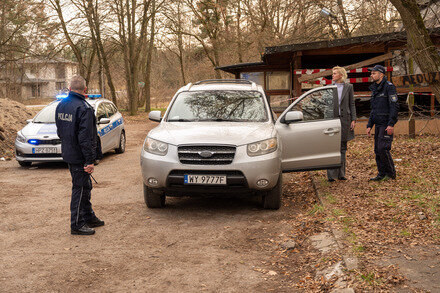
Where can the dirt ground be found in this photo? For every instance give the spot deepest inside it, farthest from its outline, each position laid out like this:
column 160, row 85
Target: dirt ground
column 393, row 227
column 194, row 244
column 222, row 244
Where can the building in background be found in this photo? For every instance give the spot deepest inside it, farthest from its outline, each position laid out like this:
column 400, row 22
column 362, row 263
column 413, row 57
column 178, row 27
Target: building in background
column 35, row 78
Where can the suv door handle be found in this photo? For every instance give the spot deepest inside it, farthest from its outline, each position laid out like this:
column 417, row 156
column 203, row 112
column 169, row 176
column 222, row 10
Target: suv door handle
column 331, row 131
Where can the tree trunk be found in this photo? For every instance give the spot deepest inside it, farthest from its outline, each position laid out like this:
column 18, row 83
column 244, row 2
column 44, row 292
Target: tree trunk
column 420, row 45
column 239, row 38
column 147, row 83
column 82, row 67
column 344, row 25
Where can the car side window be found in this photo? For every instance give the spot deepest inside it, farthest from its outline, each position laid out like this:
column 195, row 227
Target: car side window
column 115, row 110
column 110, row 109
column 316, row 106
column 101, row 112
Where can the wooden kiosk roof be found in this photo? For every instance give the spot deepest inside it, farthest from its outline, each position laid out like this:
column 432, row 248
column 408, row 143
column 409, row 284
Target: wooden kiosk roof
column 281, row 56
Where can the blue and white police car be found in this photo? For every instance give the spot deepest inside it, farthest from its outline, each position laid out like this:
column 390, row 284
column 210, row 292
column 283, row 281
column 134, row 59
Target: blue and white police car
column 38, row 140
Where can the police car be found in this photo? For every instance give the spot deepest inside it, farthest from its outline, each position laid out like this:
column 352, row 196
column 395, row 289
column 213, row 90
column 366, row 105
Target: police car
column 38, row 140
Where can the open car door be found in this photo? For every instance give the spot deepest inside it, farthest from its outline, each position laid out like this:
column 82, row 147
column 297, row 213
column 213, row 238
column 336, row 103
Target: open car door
column 310, row 135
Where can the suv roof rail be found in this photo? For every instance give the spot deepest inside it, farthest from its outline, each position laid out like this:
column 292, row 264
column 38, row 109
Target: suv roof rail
column 237, row 81
column 187, row 87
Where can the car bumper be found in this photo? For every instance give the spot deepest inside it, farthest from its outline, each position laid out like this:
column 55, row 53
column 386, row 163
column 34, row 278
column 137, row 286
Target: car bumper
column 25, row 152
column 242, row 174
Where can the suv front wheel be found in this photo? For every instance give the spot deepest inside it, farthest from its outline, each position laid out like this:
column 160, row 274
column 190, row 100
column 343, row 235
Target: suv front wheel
column 272, row 198
column 154, row 198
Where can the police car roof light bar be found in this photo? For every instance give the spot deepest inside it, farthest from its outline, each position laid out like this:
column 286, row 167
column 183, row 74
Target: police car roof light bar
column 94, row 96
column 60, row 97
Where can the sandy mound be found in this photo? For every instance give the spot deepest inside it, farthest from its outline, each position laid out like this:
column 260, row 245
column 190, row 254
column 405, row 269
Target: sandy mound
column 13, row 117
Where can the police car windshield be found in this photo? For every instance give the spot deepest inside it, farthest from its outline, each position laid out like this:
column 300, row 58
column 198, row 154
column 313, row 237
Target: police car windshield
column 219, row 106
column 47, row 115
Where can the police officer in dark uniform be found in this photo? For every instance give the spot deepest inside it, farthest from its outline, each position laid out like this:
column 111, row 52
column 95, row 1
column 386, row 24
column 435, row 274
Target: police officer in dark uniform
column 80, row 145
column 383, row 116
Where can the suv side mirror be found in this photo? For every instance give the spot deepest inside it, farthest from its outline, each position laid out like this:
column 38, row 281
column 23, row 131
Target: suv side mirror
column 293, row 116
column 155, row 116
column 104, row 121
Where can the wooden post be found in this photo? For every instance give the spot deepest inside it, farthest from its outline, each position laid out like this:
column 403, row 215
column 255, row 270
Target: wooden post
column 387, row 64
column 411, row 122
column 296, row 65
column 432, row 106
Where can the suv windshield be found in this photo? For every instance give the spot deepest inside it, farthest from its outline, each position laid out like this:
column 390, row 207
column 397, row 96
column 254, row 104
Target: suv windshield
column 236, row 106
column 47, row 115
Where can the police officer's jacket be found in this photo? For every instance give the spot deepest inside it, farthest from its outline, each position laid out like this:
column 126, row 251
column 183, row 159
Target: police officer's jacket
column 76, row 127
column 384, row 105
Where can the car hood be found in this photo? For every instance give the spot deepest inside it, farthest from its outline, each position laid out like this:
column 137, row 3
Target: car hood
column 234, row 133
column 40, row 130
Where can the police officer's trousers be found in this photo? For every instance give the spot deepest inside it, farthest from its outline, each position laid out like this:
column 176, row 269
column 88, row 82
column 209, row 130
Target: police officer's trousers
column 80, row 206
column 382, row 147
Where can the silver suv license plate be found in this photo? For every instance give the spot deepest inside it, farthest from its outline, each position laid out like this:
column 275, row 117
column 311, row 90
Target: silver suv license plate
column 205, row 179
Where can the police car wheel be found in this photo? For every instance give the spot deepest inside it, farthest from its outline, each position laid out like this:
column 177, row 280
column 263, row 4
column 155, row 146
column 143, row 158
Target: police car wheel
column 153, row 199
column 25, row 164
column 272, row 198
column 121, row 147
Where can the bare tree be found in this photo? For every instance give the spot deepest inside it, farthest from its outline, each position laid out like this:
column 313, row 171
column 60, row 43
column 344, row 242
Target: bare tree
column 175, row 15
column 93, row 14
column 133, row 18
column 84, row 57
column 208, row 19
column 420, row 45
column 24, row 32
column 147, row 59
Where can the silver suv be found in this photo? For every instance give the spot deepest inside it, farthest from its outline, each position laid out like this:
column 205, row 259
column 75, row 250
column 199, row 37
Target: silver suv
column 220, row 136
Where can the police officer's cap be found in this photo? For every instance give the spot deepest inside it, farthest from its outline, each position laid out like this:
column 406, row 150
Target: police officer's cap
column 378, row 67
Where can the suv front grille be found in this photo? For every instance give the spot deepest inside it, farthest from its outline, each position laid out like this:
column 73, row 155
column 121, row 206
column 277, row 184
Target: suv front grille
column 206, row 154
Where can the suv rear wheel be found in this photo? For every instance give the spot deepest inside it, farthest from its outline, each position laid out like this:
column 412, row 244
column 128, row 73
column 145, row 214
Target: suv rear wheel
column 153, row 198
column 272, row 198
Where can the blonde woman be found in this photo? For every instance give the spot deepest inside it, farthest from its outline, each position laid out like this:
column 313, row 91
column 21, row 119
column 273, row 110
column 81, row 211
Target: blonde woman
column 344, row 108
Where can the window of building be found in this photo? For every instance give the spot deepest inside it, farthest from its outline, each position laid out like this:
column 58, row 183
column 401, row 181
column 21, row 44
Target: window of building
column 257, row 77
column 60, row 85
column 277, row 80
column 36, row 90
column 60, row 71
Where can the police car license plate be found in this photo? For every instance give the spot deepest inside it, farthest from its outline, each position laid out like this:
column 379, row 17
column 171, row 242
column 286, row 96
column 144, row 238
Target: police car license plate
column 205, row 179
column 46, row 150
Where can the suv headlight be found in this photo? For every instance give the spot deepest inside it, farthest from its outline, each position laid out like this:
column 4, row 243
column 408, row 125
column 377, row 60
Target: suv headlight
column 20, row 137
column 155, row 147
column 262, row 147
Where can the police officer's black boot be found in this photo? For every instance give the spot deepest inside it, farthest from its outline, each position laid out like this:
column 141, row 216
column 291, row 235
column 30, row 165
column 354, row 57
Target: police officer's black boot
column 377, row 178
column 95, row 222
column 84, row 230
